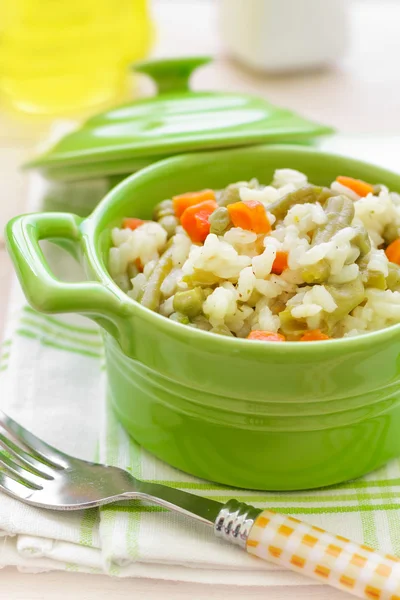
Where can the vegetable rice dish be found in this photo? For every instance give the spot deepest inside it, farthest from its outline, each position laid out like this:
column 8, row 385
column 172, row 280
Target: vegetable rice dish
column 288, row 261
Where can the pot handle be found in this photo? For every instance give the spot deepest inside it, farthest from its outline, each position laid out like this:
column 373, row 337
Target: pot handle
column 43, row 290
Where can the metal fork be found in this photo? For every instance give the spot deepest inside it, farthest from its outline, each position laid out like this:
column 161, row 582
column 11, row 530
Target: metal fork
column 38, row 474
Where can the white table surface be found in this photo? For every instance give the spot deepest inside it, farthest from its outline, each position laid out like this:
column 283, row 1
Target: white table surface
column 358, row 96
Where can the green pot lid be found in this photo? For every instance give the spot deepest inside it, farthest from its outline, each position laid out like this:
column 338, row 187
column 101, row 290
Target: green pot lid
column 174, row 121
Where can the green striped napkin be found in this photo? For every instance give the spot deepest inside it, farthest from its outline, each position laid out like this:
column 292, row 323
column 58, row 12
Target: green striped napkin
column 52, row 380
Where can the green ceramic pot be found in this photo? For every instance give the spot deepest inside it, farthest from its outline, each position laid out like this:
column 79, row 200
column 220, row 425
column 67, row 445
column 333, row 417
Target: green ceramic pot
column 249, row 414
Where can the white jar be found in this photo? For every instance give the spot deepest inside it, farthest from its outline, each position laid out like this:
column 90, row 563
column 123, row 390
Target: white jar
column 284, row 35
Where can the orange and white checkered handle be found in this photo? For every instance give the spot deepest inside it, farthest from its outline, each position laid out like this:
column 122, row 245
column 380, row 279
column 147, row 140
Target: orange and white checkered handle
column 329, row 558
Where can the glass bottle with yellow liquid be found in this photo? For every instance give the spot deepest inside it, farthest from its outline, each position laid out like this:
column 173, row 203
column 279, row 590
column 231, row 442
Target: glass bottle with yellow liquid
column 63, row 56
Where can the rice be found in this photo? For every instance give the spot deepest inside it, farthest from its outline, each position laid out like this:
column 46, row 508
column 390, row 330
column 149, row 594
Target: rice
column 278, row 279
column 138, row 284
column 267, row 196
column 143, row 244
column 216, row 257
column 246, row 284
column 266, row 321
column 283, row 177
column 221, row 303
column 262, row 264
column 378, row 261
column 376, row 213
column 180, row 249
column 305, row 217
column 342, row 189
column 170, row 284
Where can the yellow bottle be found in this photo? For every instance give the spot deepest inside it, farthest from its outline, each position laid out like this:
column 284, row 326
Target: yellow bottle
column 60, row 56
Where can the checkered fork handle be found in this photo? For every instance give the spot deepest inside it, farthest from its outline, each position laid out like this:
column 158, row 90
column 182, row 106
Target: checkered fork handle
column 333, row 559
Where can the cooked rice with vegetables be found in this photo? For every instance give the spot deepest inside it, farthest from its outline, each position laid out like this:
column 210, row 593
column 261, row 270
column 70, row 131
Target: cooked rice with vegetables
column 290, row 261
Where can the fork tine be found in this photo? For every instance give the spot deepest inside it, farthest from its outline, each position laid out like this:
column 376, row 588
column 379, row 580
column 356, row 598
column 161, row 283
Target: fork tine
column 13, row 488
column 24, row 459
column 40, row 450
column 32, row 476
column 15, row 471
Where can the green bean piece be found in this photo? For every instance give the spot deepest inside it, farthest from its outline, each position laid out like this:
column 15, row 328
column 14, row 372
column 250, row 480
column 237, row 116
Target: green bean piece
column 202, row 278
column 220, row 221
column 371, row 279
column 231, row 194
column 375, row 279
column 347, row 296
column 163, row 209
column 179, row 318
column 189, row 303
column 277, row 306
column 169, row 223
column 306, row 194
column 222, row 330
column 362, row 241
column 255, row 296
column 393, row 278
column 340, row 213
column 317, row 273
column 390, row 233
column 152, row 292
column 290, row 325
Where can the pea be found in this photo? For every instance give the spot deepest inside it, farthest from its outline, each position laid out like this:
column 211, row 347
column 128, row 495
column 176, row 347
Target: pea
column 190, row 302
column 170, row 223
column 220, row 221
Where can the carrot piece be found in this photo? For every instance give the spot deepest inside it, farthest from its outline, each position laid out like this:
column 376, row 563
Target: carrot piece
column 280, row 263
column 195, row 220
column 250, row 215
column 139, row 265
column 362, row 188
column 315, row 335
column 266, row 336
column 393, row 252
column 132, row 223
column 183, row 201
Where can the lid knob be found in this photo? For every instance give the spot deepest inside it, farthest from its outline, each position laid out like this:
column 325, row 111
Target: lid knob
column 173, row 74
